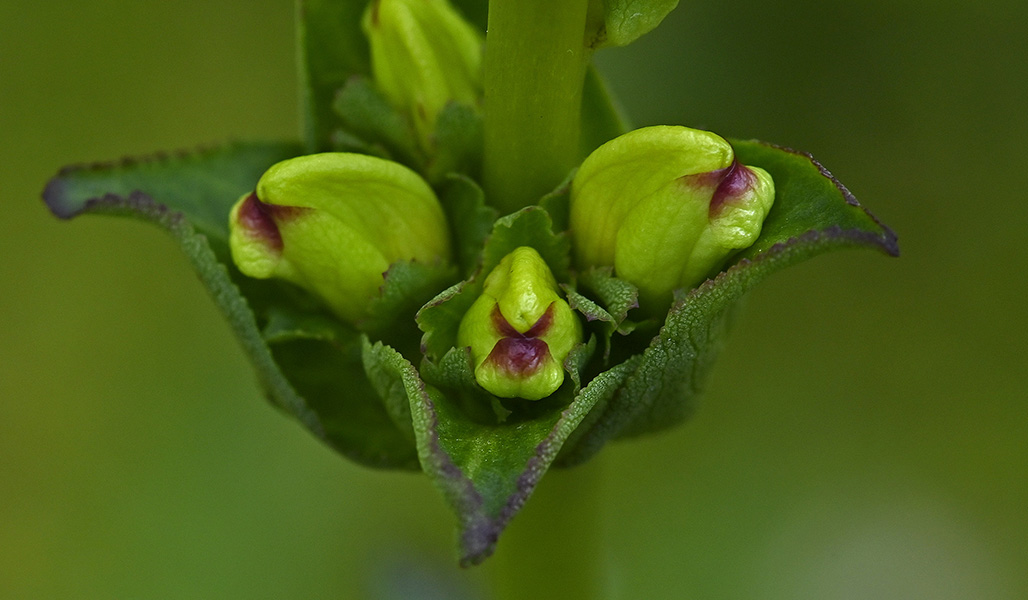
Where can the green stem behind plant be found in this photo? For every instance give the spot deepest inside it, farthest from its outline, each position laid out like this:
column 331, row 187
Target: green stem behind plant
column 535, row 62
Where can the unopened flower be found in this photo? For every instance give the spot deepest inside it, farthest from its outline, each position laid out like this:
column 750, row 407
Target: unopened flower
column 520, row 330
column 666, row 206
column 423, row 55
column 333, row 223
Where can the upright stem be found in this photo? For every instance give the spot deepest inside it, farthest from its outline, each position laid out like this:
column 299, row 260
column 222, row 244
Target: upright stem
column 534, row 70
column 554, row 547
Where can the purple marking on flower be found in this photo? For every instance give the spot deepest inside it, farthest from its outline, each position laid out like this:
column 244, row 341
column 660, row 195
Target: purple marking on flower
column 262, row 220
column 735, row 184
column 258, row 220
column 728, row 184
column 519, row 356
column 506, row 330
column 542, row 325
column 502, row 326
column 710, row 179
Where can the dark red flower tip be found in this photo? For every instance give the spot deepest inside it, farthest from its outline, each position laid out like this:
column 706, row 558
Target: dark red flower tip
column 519, row 356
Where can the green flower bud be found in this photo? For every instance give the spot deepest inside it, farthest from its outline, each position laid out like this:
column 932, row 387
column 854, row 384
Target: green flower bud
column 666, row 206
column 333, row 223
column 423, row 55
column 520, row 330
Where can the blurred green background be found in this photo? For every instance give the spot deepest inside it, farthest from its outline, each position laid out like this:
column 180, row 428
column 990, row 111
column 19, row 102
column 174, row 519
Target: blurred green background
column 865, row 434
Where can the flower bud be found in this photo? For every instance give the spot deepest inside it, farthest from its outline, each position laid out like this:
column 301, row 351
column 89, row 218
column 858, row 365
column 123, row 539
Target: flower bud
column 520, row 330
column 423, row 55
column 666, row 206
column 333, row 223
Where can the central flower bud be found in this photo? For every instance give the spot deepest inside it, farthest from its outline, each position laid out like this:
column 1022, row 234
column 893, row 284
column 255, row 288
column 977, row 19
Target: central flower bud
column 520, row 330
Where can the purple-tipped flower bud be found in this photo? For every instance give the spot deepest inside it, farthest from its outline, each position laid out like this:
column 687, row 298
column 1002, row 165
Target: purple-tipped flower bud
column 333, row 223
column 423, row 55
column 666, row 206
column 520, row 330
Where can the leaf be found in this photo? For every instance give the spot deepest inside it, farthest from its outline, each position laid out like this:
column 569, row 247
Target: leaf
column 808, row 198
column 457, row 142
column 308, row 367
column 813, row 214
column 602, row 116
column 440, row 318
column 617, row 295
column 557, row 203
column 383, row 369
column 364, row 112
column 627, row 20
column 354, row 419
column 286, row 324
column 203, row 185
column 486, row 472
column 408, row 285
column 530, row 226
column 331, row 49
column 470, row 220
column 589, row 309
column 607, row 314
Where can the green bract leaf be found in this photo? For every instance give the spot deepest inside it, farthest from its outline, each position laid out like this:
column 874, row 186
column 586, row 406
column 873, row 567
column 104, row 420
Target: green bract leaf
column 201, row 185
column 457, row 142
column 372, row 126
column 286, row 323
column 613, row 299
column 384, row 367
column 616, row 295
column 808, row 197
column 486, row 470
column 626, row 20
column 470, row 220
column 364, row 113
column 408, row 285
column 530, row 226
column 308, row 363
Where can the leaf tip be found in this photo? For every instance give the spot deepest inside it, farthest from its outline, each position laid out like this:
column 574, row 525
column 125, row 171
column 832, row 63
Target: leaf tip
column 55, row 197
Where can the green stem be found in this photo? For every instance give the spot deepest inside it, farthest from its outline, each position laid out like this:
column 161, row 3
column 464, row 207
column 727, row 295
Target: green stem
column 534, row 70
column 554, row 547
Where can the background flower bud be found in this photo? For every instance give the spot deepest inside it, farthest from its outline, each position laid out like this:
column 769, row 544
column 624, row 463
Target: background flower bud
column 423, row 55
column 333, row 223
column 520, row 330
column 666, row 206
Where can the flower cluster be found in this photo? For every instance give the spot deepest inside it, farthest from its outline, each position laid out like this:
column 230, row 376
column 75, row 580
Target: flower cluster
column 389, row 306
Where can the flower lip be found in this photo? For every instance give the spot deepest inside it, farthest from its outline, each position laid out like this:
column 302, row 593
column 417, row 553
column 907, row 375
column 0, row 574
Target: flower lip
column 517, row 353
column 519, row 356
column 728, row 183
column 261, row 220
column 255, row 217
column 736, row 182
